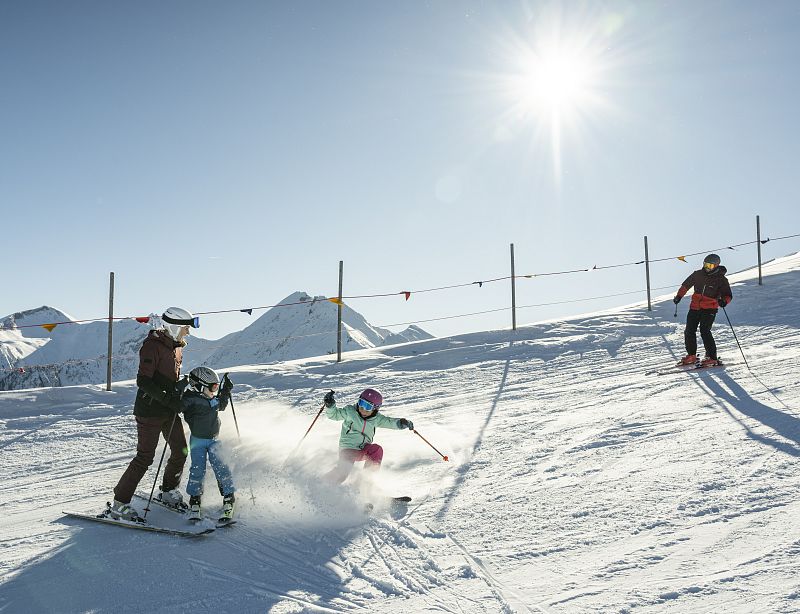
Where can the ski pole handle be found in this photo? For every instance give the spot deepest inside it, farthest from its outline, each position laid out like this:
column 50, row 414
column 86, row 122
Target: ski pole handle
column 444, row 458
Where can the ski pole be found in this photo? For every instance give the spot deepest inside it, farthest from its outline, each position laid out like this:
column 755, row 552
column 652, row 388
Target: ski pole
column 163, row 452
column 431, row 445
column 319, row 413
column 735, row 337
column 238, row 434
column 233, row 410
column 676, row 310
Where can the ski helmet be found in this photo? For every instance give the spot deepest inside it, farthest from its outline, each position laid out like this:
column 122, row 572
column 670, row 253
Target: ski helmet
column 201, row 378
column 373, row 398
column 175, row 318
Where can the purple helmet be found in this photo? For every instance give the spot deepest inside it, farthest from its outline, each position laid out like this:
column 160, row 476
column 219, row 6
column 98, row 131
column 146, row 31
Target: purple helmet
column 372, row 396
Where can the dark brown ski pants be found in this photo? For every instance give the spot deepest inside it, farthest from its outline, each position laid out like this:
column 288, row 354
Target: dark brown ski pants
column 148, row 431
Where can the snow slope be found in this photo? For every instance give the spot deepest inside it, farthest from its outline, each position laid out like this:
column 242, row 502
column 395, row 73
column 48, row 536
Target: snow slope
column 575, row 482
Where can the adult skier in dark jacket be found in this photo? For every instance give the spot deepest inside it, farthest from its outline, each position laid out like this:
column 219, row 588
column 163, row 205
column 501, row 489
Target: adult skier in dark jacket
column 158, row 402
column 711, row 291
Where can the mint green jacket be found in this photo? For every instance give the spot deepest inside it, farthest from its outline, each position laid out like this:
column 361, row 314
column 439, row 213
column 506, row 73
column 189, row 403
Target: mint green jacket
column 357, row 431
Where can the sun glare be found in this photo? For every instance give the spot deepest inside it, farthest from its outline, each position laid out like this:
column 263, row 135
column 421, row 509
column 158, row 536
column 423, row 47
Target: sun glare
column 556, row 83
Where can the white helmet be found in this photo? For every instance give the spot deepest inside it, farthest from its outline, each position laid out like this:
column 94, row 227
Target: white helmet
column 203, row 378
column 175, row 318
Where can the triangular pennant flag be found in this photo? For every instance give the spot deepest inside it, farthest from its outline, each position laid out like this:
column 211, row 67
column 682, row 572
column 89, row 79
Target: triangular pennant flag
column 528, row 276
column 49, row 327
column 407, row 293
column 682, row 258
column 764, row 241
column 247, row 311
column 594, row 268
column 337, row 301
column 480, row 284
column 143, row 319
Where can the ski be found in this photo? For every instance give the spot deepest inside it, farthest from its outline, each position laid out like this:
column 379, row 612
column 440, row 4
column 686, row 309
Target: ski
column 403, row 499
column 157, row 501
column 218, row 523
column 393, row 502
column 685, row 369
column 138, row 525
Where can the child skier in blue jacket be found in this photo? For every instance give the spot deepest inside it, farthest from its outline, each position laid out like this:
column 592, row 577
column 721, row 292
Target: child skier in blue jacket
column 359, row 423
column 200, row 410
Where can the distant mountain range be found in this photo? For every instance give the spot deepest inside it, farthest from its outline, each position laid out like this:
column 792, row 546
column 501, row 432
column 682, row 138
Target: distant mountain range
column 73, row 354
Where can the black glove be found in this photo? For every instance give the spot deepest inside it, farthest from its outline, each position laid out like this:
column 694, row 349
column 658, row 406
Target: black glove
column 173, row 401
column 227, row 384
column 722, row 302
column 402, row 423
column 677, row 299
column 329, row 400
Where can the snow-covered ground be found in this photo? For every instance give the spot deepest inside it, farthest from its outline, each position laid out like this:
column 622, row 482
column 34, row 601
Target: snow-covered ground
column 575, row 482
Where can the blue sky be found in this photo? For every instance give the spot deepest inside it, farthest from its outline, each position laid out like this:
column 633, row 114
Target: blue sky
column 224, row 155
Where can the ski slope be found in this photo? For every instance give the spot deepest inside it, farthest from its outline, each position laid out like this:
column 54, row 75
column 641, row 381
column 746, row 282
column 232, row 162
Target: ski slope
column 575, row 482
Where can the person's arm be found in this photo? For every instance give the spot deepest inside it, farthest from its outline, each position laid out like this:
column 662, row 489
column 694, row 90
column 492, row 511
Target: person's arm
column 726, row 294
column 336, row 413
column 387, row 422
column 688, row 283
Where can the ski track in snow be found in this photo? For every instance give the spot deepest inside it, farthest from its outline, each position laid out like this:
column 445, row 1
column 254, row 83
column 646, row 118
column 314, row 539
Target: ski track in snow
column 576, row 483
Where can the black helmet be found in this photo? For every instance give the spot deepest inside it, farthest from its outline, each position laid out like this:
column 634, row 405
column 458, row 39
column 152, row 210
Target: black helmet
column 712, row 259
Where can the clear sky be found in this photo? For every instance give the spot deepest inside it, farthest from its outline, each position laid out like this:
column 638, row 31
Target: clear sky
column 224, row 155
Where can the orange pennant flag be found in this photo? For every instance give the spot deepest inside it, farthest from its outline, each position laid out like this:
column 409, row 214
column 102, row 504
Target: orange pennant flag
column 336, row 301
column 407, row 293
column 682, row 258
column 49, row 327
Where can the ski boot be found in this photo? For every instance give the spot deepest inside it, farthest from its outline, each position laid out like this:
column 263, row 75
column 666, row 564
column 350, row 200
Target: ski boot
column 227, row 508
column 195, row 514
column 688, row 360
column 709, row 362
column 172, row 498
column 122, row 511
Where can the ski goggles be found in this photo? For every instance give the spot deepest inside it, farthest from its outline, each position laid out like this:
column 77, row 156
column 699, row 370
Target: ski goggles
column 193, row 322
column 709, row 266
column 212, row 387
column 366, row 405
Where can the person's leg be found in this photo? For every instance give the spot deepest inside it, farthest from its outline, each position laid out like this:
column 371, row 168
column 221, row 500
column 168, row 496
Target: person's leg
column 690, row 333
column 373, row 455
column 221, row 469
column 177, row 453
column 343, row 467
column 147, row 433
column 197, row 472
column 706, row 321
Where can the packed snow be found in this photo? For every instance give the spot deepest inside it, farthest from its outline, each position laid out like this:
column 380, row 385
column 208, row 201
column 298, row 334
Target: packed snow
column 575, row 483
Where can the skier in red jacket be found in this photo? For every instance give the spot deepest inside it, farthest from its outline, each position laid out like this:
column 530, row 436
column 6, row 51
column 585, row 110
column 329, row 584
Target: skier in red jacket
column 711, row 291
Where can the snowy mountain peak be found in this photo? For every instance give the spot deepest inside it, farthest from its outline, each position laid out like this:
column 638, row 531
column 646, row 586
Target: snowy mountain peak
column 32, row 318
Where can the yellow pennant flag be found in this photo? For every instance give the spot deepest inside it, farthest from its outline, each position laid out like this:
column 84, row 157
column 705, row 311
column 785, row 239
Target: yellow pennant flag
column 682, row 258
column 336, row 301
column 49, row 327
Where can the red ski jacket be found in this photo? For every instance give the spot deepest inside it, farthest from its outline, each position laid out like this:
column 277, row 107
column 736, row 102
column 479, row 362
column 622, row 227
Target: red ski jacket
column 708, row 287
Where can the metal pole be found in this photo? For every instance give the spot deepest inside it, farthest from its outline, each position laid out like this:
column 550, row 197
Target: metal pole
column 110, row 329
column 513, row 293
column 339, row 320
column 647, row 273
column 758, row 244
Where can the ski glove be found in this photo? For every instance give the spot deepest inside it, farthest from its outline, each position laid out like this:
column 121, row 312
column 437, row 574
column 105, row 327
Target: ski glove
column 677, row 299
column 227, row 384
column 722, row 302
column 402, row 423
column 329, row 400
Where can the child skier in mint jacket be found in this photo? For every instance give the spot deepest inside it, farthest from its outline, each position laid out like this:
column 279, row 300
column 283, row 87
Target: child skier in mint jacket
column 359, row 423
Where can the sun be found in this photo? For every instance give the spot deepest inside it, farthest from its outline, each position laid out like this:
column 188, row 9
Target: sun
column 554, row 82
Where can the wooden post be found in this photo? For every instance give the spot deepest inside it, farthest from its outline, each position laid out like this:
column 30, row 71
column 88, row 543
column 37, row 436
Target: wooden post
column 339, row 321
column 110, row 328
column 513, row 293
column 758, row 244
column 647, row 274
